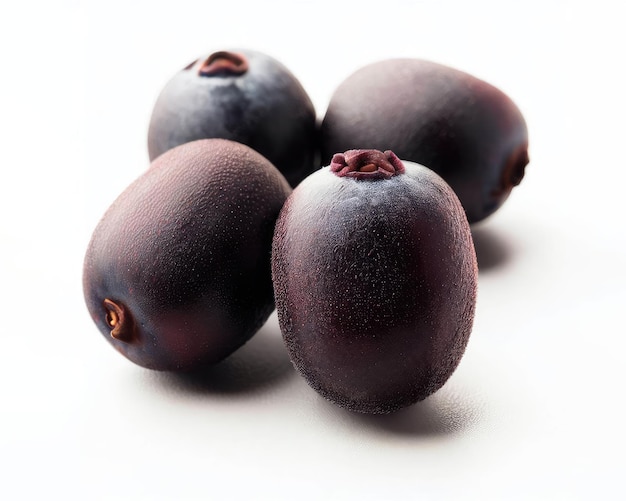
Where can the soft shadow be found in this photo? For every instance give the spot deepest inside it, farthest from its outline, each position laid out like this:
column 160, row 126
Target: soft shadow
column 261, row 363
column 492, row 250
column 442, row 414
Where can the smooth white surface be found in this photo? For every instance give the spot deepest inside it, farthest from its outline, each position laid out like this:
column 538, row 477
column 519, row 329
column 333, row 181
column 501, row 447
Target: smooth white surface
column 535, row 410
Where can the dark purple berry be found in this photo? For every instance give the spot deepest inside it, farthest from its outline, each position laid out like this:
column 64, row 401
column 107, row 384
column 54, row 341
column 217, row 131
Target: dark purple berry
column 177, row 273
column 375, row 279
column 461, row 127
column 244, row 96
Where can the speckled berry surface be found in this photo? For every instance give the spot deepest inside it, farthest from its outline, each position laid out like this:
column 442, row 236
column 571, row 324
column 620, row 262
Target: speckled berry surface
column 184, row 253
column 375, row 279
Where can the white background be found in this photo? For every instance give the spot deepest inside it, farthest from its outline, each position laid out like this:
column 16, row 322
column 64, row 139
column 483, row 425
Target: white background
column 534, row 411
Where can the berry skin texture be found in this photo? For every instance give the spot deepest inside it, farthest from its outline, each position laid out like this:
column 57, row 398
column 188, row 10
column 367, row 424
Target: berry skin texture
column 375, row 280
column 466, row 130
column 177, row 272
column 244, row 96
